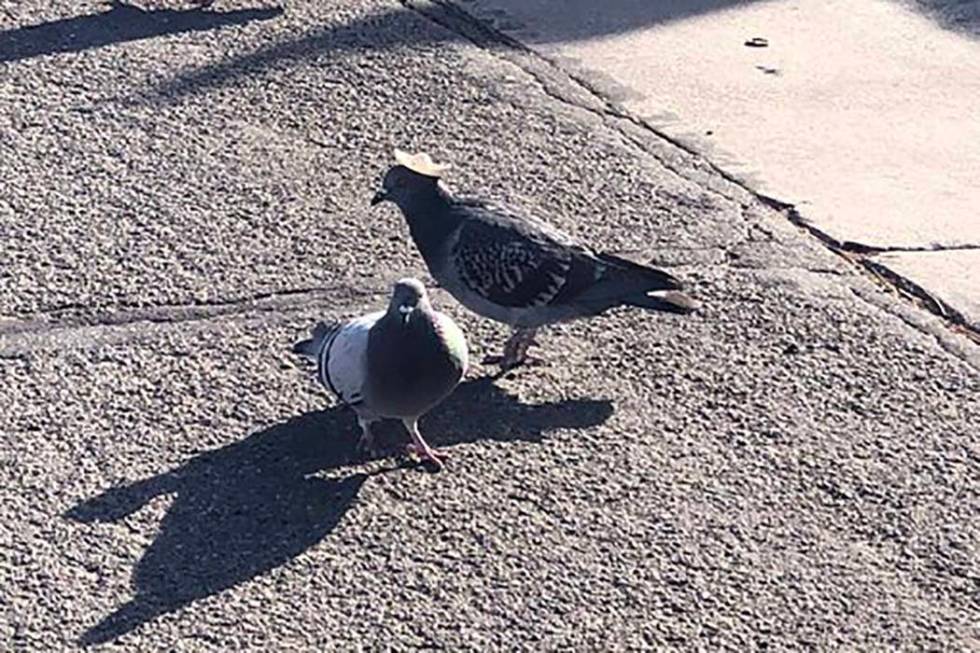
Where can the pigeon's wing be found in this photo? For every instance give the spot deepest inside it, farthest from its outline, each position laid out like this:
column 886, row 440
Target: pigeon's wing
column 517, row 261
column 311, row 347
column 453, row 338
column 342, row 365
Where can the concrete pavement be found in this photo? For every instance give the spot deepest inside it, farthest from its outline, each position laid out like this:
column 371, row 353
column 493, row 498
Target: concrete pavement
column 794, row 467
column 861, row 116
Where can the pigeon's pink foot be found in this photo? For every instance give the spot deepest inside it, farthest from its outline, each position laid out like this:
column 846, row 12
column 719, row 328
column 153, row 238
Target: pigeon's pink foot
column 427, row 454
column 419, row 447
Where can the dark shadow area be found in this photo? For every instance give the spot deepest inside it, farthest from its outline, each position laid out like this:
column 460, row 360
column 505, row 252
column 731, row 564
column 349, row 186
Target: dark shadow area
column 376, row 32
column 565, row 20
column 956, row 15
column 574, row 19
column 121, row 23
column 251, row 506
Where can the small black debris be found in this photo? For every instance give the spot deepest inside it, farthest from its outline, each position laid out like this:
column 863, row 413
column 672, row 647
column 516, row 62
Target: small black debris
column 757, row 42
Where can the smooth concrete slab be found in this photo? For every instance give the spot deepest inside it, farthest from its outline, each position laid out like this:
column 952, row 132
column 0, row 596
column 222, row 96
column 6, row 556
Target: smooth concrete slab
column 952, row 276
column 864, row 115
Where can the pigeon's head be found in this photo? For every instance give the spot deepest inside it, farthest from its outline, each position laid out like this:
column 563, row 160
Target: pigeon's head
column 414, row 174
column 407, row 296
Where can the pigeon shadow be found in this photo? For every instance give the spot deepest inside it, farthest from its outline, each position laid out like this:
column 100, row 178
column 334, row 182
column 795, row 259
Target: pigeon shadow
column 122, row 22
column 249, row 507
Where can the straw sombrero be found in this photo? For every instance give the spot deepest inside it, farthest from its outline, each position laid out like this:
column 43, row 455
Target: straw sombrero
column 421, row 163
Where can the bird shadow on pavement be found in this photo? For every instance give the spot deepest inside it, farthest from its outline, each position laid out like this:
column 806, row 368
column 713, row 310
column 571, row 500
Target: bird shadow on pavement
column 251, row 506
column 122, row 22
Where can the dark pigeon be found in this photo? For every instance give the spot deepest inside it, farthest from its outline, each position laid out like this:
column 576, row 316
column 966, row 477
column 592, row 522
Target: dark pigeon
column 513, row 267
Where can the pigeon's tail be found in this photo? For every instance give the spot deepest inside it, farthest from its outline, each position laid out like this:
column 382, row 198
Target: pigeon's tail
column 633, row 284
column 670, row 301
column 311, row 346
column 643, row 275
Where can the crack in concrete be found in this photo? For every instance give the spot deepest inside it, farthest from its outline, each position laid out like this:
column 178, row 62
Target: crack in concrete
column 860, row 248
column 123, row 315
column 917, row 293
column 971, row 357
column 862, row 256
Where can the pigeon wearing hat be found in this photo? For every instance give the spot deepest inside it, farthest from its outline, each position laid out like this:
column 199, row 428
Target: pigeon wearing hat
column 512, row 267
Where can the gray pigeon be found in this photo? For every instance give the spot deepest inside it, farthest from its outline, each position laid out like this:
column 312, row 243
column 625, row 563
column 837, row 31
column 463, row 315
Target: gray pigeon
column 515, row 268
column 397, row 363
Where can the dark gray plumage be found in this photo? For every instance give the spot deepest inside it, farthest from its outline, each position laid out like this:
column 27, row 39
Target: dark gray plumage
column 398, row 363
column 515, row 268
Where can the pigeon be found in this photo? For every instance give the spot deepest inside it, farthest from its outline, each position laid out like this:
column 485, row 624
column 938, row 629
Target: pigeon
column 513, row 267
column 398, row 363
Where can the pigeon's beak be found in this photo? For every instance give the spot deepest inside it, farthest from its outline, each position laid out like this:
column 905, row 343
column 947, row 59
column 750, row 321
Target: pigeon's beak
column 379, row 197
column 406, row 312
